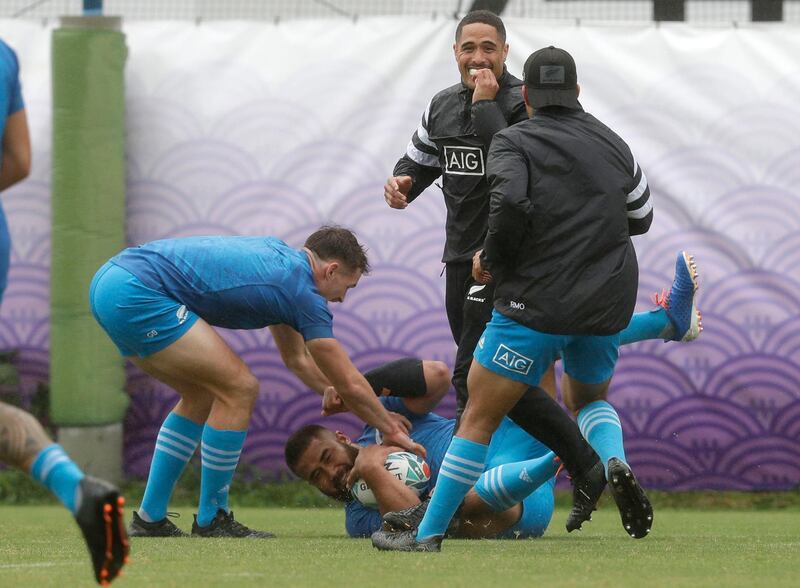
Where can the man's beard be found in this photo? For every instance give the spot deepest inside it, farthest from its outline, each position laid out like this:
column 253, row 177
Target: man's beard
column 342, row 493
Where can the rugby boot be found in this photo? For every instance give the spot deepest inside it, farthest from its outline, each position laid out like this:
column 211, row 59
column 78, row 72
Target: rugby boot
column 405, row 541
column 100, row 518
column 633, row 505
column 163, row 528
column 586, row 491
column 681, row 302
column 406, row 519
column 224, row 525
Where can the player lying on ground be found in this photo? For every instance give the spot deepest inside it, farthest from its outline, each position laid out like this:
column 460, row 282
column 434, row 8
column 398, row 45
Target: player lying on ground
column 328, row 457
column 513, row 499
column 95, row 504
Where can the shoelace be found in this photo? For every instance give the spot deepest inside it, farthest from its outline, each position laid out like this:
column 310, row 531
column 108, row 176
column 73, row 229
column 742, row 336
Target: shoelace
column 662, row 299
column 561, row 468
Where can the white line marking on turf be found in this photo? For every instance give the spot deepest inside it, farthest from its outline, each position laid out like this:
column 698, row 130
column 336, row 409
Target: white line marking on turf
column 31, row 565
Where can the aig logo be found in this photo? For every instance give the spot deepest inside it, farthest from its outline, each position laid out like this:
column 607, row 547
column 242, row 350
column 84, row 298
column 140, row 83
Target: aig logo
column 463, row 161
column 509, row 359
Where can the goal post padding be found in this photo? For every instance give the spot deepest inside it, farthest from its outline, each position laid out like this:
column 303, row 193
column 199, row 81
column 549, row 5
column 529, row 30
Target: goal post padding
column 87, row 375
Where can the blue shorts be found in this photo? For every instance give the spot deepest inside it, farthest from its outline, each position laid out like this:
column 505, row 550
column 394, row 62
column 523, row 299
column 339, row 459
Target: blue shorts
column 139, row 320
column 519, row 353
column 510, row 444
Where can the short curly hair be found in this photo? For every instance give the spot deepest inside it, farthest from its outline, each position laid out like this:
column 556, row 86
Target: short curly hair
column 298, row 442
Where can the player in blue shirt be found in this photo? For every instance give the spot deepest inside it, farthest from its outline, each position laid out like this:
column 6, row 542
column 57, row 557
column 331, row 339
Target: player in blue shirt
column 95, row 504
column 15, row 153
column 159, row 303
column 513, row 499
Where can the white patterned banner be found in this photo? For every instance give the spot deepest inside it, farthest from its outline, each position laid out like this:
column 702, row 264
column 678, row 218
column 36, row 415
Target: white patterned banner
column 257, row 128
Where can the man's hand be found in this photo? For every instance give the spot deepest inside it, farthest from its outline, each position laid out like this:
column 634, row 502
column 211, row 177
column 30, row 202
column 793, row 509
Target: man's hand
column 400, row 421
column 401, row 439
column 486, row 85
column 369, row 457
column 332, row 403
column 478, row 273
column 395, row 191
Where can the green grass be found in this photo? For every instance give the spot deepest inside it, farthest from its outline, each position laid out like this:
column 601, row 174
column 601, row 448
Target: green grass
column 40, row 546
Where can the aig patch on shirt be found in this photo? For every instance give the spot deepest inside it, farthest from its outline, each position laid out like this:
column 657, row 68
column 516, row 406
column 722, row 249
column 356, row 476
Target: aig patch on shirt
column 460, row 160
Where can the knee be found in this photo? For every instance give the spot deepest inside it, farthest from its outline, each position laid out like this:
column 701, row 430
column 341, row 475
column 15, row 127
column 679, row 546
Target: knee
column 242, row 392
column 437, row 376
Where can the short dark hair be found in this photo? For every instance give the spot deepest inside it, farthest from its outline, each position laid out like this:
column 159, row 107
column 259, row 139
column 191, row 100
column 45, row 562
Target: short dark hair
column 485, row 17
column 298, row 442
column 332, row 242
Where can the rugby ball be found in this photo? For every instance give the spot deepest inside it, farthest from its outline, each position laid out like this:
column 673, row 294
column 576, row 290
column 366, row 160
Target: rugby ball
column 407, row 467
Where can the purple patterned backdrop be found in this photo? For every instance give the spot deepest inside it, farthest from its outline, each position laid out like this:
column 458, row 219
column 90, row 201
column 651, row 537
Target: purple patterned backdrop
column 237, row 128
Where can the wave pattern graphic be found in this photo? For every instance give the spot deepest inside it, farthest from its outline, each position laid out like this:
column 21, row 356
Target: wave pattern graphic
column 278, row 150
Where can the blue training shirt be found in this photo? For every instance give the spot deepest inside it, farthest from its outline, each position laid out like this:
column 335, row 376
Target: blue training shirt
column 429, row 430
column 10, row 88
column 234, row 282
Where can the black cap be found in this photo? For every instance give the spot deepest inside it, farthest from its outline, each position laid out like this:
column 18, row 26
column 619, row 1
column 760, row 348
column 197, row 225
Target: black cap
column 551, row 78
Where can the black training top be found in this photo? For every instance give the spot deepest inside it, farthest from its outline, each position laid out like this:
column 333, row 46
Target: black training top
column 566, row 194
column 452, row 141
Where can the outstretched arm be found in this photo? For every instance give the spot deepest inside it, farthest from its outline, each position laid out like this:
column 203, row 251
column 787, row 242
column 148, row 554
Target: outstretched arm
column 296, row 357
column 357, row 394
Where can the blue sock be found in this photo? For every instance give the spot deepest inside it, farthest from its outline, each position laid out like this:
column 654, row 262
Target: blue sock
column 175, row 445
column 645, row 326
column 59, row 474
column 220, row 451
column 509, row 484
column 600, row 425
column 460, row 469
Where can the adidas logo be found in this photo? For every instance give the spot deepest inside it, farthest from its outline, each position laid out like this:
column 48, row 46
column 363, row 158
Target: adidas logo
column 523, row 475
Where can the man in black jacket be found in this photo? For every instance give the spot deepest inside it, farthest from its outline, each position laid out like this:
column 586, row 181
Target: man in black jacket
column 566, row 195
column 452, row 141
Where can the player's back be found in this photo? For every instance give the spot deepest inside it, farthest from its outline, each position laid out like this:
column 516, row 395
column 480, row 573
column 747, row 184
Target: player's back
column 234, row 282
column 575, row 270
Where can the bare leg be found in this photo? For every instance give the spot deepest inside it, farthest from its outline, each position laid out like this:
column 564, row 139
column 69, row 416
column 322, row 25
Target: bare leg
column 96, row 505
column 577, row 394
column 217, row 387
column 213, row 382
column 21, row 437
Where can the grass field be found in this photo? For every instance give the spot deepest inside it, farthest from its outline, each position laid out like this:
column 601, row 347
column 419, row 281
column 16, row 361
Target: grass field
column 40, row 546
